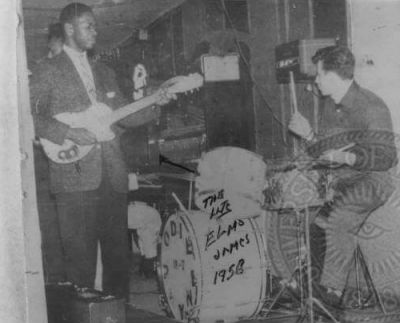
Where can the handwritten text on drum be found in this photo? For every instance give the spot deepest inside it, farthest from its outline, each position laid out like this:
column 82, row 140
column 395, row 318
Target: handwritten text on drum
column 214, row 235
column 177, row 230
column 217, row 210
column 224, row 275
column 239, row 243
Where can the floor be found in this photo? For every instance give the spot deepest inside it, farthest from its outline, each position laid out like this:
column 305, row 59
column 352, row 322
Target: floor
column 144, row 292
column 144, row 306
column 144, row 303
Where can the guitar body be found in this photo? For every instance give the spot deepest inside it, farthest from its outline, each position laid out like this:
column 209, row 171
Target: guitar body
column 94, row 119
column 98, row 120
column 68, row 152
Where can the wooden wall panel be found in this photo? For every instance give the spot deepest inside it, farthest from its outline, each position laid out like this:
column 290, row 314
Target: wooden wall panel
column 273, row 23
column 194, row 27
column 330, row 19
column 264, row 31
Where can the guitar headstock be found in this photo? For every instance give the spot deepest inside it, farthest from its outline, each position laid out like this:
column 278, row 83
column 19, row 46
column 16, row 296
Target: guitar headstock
column 179, row 84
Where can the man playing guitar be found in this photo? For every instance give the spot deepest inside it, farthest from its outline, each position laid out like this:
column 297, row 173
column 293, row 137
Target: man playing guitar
column 90, row 192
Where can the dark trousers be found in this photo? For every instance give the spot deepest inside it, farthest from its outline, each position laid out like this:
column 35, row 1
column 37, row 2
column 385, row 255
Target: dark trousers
column 355, row 199
column 86, row 218
column 53, row 266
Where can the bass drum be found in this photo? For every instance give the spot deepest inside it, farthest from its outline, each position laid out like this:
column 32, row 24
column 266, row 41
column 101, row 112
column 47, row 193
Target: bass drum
column 211, row 271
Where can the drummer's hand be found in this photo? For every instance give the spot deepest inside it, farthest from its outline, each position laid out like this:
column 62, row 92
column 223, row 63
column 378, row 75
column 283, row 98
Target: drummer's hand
column 338, row 156
column 300, row 126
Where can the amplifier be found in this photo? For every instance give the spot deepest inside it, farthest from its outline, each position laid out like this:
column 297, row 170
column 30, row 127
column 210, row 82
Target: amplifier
column 68, row 304
column 296, row 56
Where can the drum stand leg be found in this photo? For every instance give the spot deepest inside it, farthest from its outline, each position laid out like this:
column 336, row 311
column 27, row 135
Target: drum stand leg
column 278, row 296
column 298, row 270
column 360, row 263
column 310, row 299
column 300, row 255
column 307, row 305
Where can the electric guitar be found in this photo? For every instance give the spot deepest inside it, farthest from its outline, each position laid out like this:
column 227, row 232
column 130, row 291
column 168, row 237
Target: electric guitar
column 99, row 118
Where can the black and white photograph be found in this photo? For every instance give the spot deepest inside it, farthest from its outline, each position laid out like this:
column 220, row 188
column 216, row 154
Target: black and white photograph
column 200, row 161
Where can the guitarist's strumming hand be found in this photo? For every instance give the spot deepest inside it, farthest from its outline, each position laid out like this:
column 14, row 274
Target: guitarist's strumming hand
column 81, row 136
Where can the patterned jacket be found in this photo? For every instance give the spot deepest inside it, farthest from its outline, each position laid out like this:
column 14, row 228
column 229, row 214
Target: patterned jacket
column 56, row 87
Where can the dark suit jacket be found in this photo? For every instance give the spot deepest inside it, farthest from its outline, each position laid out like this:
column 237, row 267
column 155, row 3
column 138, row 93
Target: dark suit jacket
column 56, row 87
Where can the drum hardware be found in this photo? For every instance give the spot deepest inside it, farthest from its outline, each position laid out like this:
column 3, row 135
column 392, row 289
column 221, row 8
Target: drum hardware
column 180, row 204
column 304, row 209
column 300, row 190
column 303, row 262
column 163, row 159
column 378, row 241
column 311, row 300
column 360, row 264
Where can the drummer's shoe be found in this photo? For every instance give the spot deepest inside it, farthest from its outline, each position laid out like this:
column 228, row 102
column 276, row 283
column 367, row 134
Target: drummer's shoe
column 321, row 218
column 329, row 296
column 322, row 222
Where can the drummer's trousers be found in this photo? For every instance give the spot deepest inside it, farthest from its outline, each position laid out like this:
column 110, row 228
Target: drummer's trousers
column 355, row 199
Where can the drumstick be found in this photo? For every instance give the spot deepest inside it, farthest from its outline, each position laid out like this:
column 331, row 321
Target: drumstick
column 339, row 149
column 347, row 146
column 342, row 148
column 293, row 93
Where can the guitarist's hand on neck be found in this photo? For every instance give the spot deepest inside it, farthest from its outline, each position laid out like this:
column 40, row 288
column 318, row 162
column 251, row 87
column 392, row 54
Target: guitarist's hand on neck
column 81, row 136
column 163, row 96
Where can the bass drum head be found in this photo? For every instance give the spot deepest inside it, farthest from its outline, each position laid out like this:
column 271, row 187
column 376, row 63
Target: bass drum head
column 211, row 271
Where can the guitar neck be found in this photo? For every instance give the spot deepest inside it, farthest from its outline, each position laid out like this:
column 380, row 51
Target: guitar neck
column 136, row 106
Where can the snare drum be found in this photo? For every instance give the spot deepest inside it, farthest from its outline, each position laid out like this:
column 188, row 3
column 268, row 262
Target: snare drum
column 296, row 189
column 211, row 271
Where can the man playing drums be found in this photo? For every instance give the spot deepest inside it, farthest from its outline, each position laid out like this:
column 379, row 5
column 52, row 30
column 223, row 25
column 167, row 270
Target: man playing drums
column 356, row 140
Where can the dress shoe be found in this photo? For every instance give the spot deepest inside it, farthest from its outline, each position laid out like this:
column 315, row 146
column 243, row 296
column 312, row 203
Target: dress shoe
column 148, row 267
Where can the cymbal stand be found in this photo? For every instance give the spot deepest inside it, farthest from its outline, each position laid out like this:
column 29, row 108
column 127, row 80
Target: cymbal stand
column 307, row 303
column 360, row 263
column 298, row 270
column 300, row 256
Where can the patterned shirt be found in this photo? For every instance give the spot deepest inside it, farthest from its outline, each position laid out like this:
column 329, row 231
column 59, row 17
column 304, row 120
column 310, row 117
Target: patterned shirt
column 362, row 118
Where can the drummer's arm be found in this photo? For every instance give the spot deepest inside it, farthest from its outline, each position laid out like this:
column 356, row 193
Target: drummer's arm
column 300, row 126
column 312, row 138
